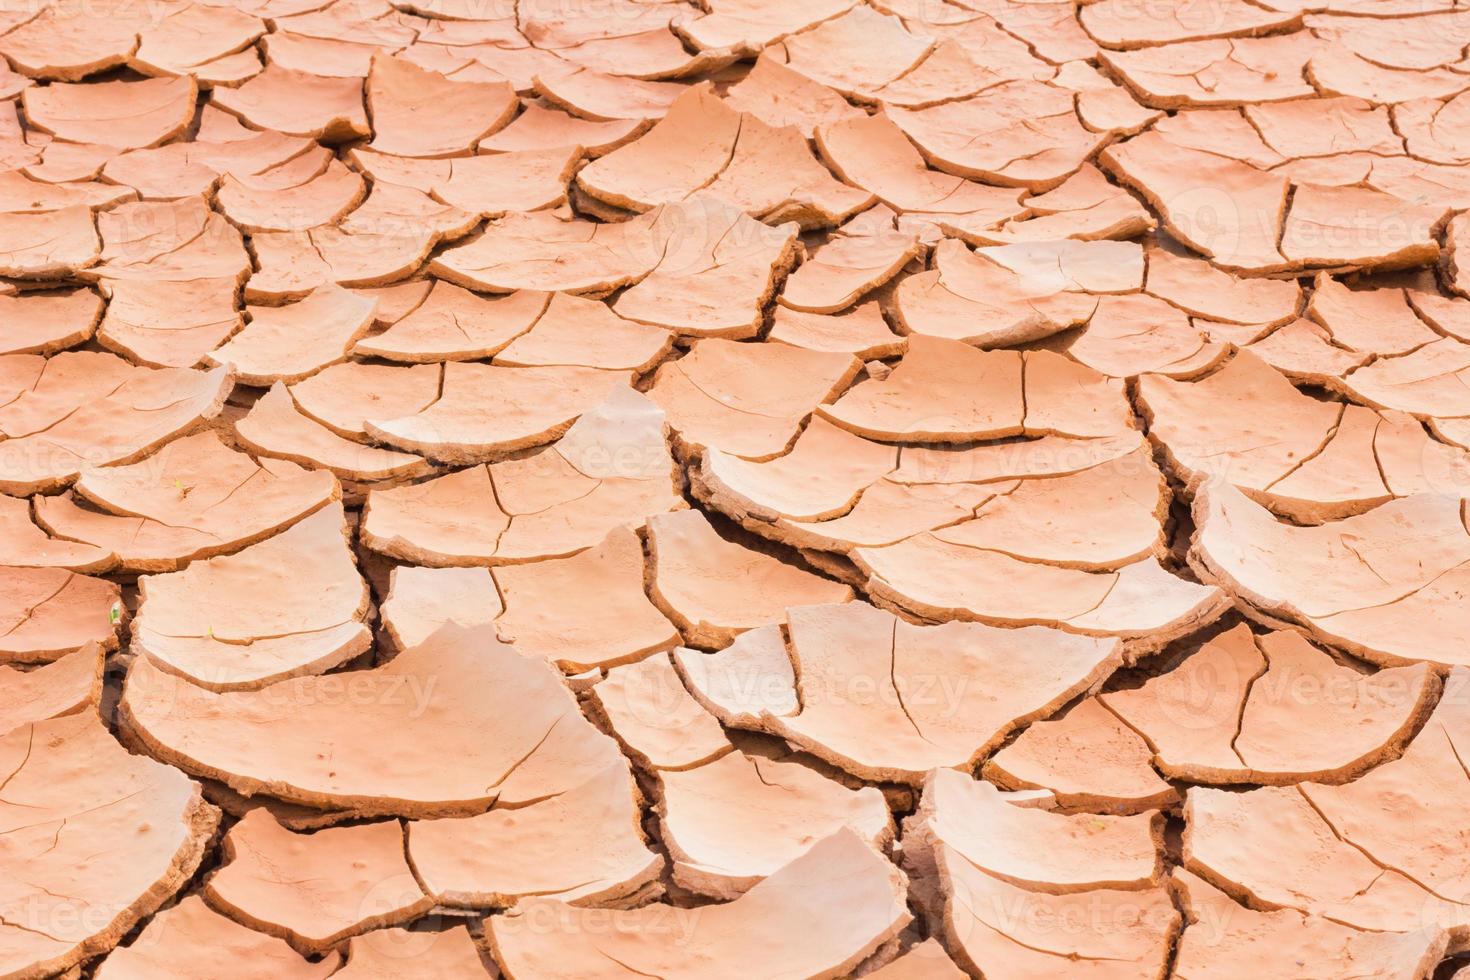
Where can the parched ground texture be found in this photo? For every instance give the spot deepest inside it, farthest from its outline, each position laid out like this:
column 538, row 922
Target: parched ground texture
column 735, row 488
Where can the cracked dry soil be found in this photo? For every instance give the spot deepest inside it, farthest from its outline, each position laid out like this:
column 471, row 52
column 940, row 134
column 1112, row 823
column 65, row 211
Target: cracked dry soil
column 709, row 489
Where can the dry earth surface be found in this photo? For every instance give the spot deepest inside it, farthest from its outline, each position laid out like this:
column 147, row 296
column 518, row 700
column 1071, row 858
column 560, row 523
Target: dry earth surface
column 708, row 489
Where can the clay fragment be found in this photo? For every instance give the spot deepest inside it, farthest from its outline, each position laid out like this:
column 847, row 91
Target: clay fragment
column 343, row 396
column 612, row 468
column 1115, row 24
column 703, row 144
column 720, row 264
column 483, row 411
column 1202, row 290
column 1262, row 724
column 583, row 846
column 970, row 297
column 44, row 323
column 747, row 399
column 1021, row 133
column 1218, row 72
column 623, row 43
column 194, row 498
column 1253, row 939
column 1345, row 863
column 923, row 961
column 746, row 27
column 653, row 717
column 1105, row 516
column 1084, row 207
column 210, row 43
column 1422, row 382
column 1337, row 70
column 540, row 128
column 593, row 95
column 716, row 273
column 1087, row 759
column 795, row 900
column 509, row 720
column 942, row 391
column 822, row 477
column 90, row 409
column 856, row 52
column 450, row 520
column 923, row 714
column 20, row 194
column 293, row 604
column 861, row 331
column 552, row 251
column 1222, row 208
column 315, row 890
column 981, row 872
column 576, row 331
column 886, row 512
column 1356, row 226
column 1379, row 583
column 872, row 153
column 408, row 955
column 1326, row 463
column 1050, row 28
column 122, row 114
column 52, row 245
column 169, row 324
column 71, row 791
column 192, row 937
column 861, row 256
column 396, row 301
column 1139, row 602
column 1032, row 848
column 714, row 589
column 174, row 242
column 1137, row 334
column 779, row 96
column 544, row 615
column 289, row 343
column 299, row 104
column 488, row 185
column 453, row 324
column 420, row 600
column 276, row 427
column 260, row 204
column 379, row 248
column 734, row 820
column 1323, row 127
column 418, row 113
column 26, row 545
column 71, row 685
column 68, row 44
